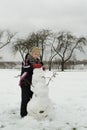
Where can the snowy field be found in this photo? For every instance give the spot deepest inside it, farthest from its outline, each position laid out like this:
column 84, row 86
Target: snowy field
column 68, row 92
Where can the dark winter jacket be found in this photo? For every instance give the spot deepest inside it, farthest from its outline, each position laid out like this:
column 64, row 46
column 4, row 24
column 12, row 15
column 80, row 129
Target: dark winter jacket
column 27, row 69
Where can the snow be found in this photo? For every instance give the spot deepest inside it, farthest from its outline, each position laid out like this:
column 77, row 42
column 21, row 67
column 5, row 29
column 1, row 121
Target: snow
column 40, row 106
column 67, row 91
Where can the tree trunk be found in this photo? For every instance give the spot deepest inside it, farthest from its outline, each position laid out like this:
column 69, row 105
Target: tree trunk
column 50, row 65
column 62, row 65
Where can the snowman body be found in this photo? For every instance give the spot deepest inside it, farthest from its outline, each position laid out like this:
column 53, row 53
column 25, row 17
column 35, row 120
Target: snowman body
column 40, row 105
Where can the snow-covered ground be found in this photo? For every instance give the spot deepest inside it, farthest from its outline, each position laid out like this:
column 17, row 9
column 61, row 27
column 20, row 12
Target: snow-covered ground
column 68, row 92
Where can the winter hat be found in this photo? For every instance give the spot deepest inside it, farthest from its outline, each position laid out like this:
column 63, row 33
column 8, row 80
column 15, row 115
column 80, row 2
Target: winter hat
column 35, row 49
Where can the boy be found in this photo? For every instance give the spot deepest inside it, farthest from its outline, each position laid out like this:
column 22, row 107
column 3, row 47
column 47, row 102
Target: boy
column 31, row 61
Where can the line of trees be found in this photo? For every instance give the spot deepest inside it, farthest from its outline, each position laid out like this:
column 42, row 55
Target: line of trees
column 61, row 45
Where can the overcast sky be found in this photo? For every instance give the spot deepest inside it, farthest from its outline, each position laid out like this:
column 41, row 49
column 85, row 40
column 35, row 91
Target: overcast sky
column 32, row 15
column 26, row 16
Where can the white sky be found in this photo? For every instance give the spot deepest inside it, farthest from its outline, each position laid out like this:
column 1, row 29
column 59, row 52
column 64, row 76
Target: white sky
column 31, row 15
column 26, row 16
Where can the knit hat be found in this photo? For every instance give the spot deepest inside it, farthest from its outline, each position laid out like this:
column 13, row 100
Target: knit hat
column 35, row 49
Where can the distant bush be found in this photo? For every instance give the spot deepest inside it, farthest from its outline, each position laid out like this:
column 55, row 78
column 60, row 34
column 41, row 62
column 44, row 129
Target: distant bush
column 9, row 65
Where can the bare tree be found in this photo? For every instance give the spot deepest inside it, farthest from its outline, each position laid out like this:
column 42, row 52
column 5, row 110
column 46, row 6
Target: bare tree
column 39, row 39
column 65, row 44
column 24, row 45
column 52, row 55
column 18, row 46
column 34, row 39
column 44, row 37
column 5, row 38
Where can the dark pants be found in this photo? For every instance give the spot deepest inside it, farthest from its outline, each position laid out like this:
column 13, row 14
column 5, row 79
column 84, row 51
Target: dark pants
column 26, row 95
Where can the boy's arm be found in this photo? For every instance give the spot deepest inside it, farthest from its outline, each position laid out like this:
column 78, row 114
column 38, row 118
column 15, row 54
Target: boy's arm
column 24, row 71
column 22, row 77
column 39, row 65
column 27, row 68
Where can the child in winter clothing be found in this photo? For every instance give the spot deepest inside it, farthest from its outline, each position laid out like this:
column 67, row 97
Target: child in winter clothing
column 31, row 62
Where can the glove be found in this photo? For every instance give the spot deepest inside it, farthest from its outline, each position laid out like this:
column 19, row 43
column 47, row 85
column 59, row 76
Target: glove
column 37, row 65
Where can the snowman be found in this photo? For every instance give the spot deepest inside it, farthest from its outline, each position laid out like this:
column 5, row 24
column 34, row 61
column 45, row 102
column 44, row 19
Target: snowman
column 40, row 106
